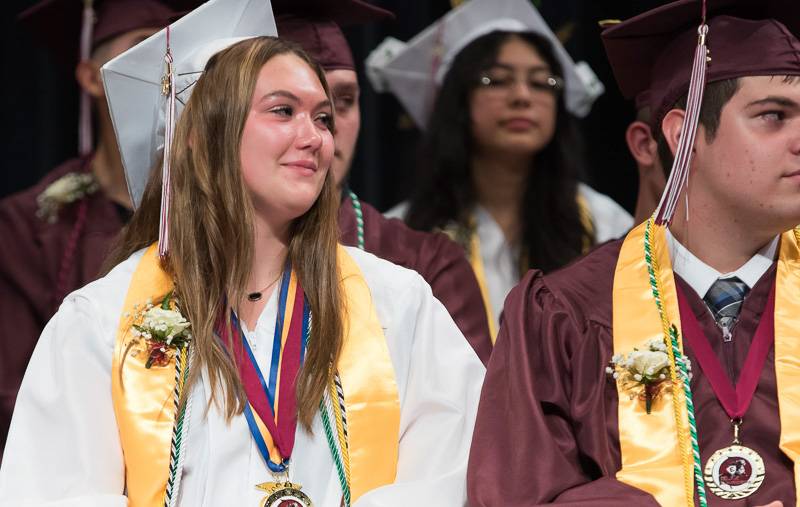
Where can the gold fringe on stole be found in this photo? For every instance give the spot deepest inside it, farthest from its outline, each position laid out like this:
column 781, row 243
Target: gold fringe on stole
column 143, row 398
column 144, row 405
column 787, row 347
column 652, row 458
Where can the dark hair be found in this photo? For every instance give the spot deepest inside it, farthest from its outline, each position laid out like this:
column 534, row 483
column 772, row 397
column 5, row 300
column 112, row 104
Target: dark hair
column 552, row 231
column 715, row 96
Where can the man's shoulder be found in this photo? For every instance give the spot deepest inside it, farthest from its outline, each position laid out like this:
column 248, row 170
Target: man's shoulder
column 585, row 287
column 398, row 243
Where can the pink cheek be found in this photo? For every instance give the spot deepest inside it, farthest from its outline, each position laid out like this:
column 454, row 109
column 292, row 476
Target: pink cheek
column 328, row 146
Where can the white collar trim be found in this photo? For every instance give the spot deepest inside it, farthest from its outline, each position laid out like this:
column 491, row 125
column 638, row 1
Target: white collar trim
column 700, row 276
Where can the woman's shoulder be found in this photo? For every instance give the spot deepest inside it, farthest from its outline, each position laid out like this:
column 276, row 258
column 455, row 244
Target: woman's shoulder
column 384, row 275
column 103, row 298
column 114, row 283
column 88, row 318
column 611, row 221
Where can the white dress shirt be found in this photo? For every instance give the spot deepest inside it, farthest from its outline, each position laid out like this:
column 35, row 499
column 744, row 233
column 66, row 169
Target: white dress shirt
column 700, row 276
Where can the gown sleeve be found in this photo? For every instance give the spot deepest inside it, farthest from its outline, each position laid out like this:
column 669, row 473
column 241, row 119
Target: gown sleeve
column 453, row 282
column 542, row 434
column 63, row 448
column 442, row 378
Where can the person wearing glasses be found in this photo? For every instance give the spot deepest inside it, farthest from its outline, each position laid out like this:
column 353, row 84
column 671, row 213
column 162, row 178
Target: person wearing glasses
column 501, row 160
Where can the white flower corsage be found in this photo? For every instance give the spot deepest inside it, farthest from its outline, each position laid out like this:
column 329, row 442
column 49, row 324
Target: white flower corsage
column 65, row 190
column 160, row 330
column 644, row 374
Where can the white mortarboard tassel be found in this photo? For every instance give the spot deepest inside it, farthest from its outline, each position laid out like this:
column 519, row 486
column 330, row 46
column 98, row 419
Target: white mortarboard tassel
column 414, row 71
column 168, row 90
column 145, row 101
column 679, row 174
column 85, row 111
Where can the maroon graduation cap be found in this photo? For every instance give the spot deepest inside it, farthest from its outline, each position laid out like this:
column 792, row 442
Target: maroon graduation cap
column 676, row 49
column 58, row 24
column 71, row 29
column 317, row 26
column 653, row 52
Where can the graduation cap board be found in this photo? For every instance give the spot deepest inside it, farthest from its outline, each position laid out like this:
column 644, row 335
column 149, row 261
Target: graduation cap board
column 142, row 115
column 409, row 70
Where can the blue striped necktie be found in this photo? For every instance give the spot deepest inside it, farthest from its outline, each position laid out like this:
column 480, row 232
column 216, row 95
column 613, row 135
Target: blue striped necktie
column 724, row 300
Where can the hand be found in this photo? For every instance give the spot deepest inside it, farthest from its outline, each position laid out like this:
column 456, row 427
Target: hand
column 776, row 503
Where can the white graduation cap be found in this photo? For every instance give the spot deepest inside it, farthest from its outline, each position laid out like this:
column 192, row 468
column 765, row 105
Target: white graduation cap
column 148, row 85
column 413, row 71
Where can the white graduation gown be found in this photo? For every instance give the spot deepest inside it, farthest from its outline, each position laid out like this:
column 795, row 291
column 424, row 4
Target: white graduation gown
column 499, row 257
column 63, row 447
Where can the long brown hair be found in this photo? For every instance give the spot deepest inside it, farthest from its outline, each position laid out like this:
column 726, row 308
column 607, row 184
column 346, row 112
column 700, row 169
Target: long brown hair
column 211, row 227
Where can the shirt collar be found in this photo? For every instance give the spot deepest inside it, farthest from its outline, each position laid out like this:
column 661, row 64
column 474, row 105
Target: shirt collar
column 700, row 276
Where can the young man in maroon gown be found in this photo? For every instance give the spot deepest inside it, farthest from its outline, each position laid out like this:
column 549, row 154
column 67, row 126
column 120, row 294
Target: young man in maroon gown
column 58, row 232
column 315, row 25
column 552, row 417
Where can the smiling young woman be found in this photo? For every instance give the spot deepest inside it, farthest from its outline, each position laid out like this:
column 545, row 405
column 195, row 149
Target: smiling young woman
column 167, row 383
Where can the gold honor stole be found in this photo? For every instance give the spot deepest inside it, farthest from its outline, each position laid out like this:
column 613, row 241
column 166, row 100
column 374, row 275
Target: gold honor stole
column 145, row 409
column 652, row 449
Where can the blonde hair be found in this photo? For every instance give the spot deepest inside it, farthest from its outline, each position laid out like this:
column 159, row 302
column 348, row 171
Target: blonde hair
column 211, row 228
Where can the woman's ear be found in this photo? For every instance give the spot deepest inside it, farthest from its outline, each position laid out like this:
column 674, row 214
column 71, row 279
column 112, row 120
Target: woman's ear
column 671, row 126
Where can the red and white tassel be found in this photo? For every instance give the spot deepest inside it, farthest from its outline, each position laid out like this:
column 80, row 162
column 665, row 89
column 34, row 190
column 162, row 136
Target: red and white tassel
column 85, row 111
column 679, row 174
column 683, row 155
column 168, row 89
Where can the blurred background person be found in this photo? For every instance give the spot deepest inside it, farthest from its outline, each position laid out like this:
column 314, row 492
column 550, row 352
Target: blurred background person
column 60, row 230
column 644, row 150
column 501, row 160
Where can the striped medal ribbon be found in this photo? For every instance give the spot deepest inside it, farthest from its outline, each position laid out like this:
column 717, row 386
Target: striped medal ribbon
column 271, row 409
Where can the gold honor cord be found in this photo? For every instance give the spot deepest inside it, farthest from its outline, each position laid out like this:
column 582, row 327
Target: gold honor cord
column 655, row 450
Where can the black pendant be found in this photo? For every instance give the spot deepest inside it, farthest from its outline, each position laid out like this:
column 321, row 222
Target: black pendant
column 254, row 296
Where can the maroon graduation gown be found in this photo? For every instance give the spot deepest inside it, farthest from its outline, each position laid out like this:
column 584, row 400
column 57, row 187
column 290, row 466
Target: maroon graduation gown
column 438, row 259
column 547, row 421
column 32, row 253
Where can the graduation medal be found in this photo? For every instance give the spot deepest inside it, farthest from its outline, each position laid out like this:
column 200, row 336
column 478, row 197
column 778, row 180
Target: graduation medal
column 271, row 408
column 735, row 471
column 284, row 494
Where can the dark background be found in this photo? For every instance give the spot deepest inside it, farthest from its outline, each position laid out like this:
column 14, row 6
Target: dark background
column 40, row 102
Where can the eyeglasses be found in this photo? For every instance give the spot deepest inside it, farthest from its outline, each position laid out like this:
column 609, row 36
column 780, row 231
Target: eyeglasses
column 537, row 82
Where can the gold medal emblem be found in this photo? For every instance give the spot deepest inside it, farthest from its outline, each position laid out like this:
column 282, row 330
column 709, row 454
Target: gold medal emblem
column 734, row 472
column 284, row 494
